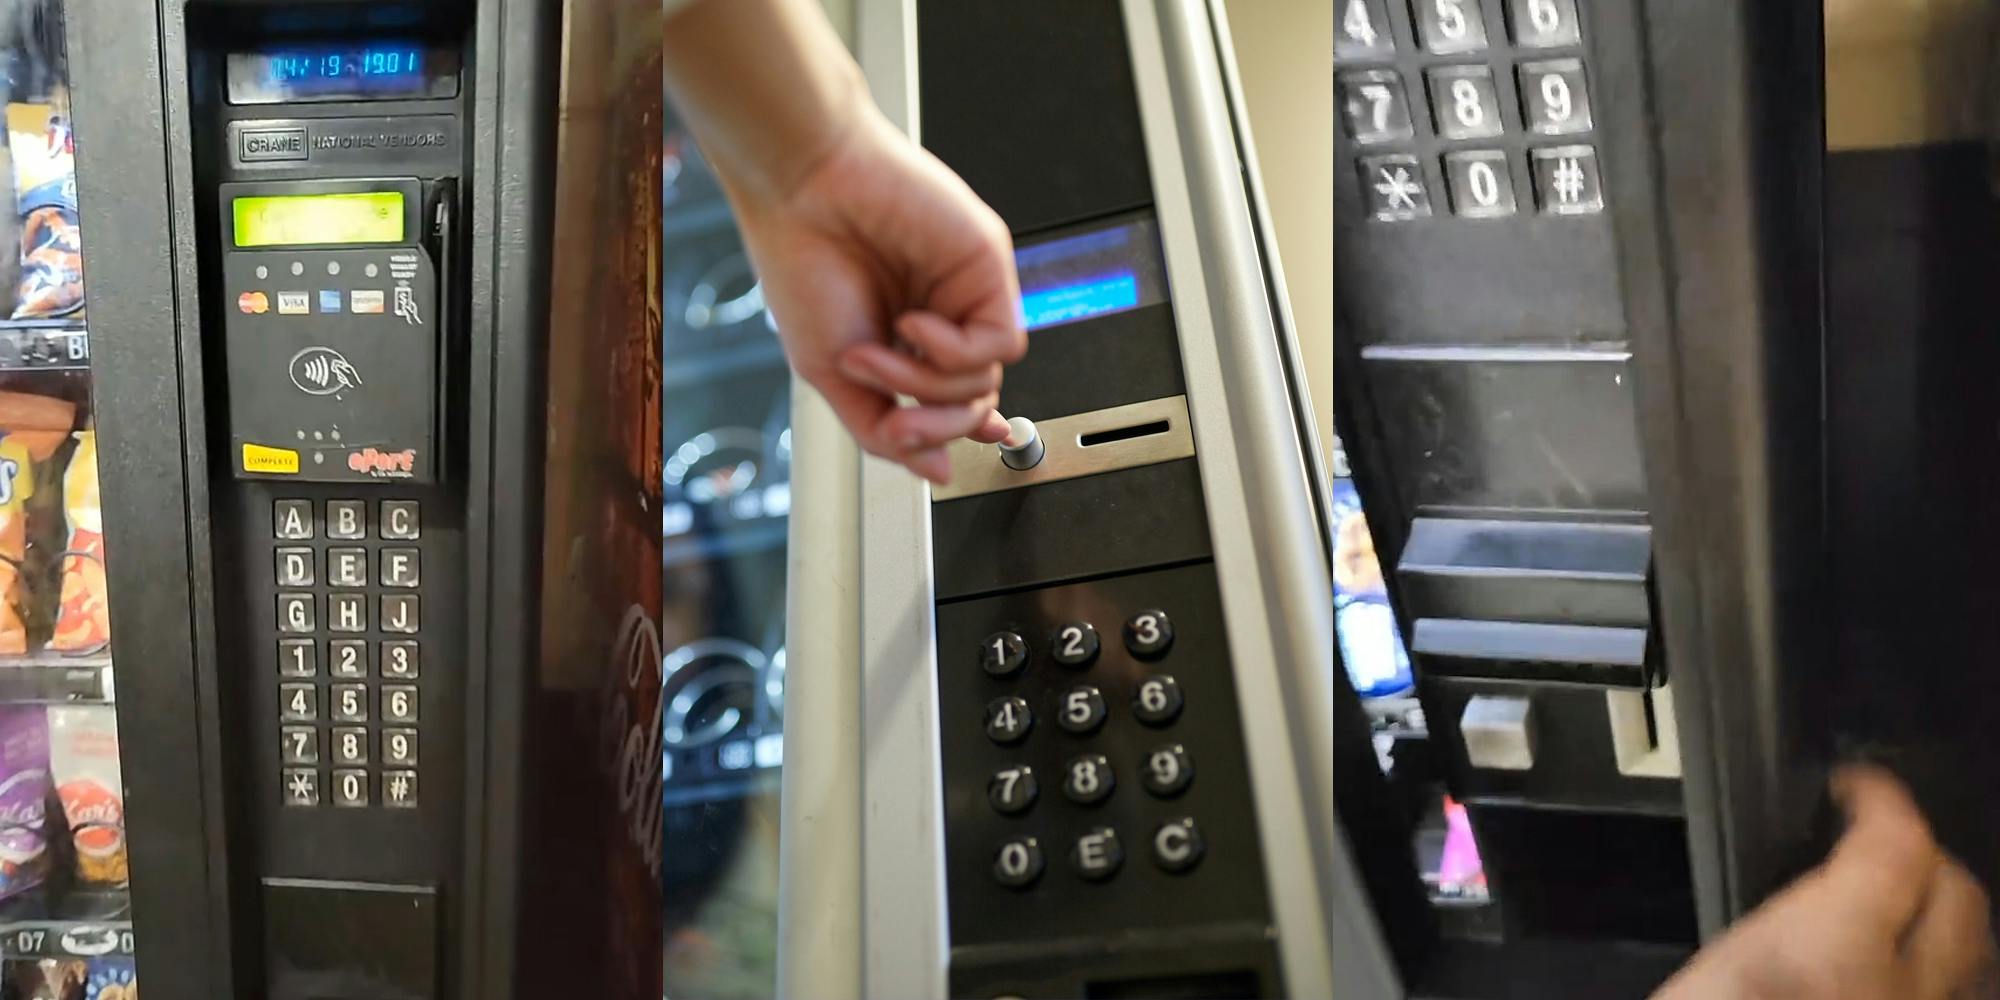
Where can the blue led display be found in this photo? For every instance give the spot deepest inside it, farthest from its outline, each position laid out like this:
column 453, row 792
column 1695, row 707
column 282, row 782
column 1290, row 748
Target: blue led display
column 341, row 64
column 1092, row 273
column 1078, row 300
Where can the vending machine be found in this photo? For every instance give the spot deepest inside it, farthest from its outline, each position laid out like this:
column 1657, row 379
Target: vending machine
column 363, row 621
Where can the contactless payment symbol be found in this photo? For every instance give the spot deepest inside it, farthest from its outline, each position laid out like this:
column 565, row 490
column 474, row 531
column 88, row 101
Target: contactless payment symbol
column 254, row 303
column 322, row 371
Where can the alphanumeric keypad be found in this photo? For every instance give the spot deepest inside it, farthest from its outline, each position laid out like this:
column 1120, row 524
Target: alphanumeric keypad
column 1468, row 107
column 346, row 598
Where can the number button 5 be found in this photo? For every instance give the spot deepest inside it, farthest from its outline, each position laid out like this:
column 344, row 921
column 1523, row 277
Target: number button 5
column 1082, row 709
column 1372, row 102
column 1450, row 25
column 1074, row 644
column 1464, row 102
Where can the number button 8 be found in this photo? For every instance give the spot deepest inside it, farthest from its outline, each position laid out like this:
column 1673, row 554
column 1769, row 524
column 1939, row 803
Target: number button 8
column 1087, row 779
column 1149, row 633
column 1074, row 644
column 1464, row 102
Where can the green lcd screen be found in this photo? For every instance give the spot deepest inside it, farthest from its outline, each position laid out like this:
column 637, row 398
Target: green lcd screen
column 298, row 219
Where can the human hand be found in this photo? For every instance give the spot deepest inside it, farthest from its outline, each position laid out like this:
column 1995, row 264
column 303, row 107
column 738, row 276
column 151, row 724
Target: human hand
column 886, row 275
column 1888, row 915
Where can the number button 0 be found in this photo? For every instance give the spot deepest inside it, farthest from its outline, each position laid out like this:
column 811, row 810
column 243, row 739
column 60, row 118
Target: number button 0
column 350, row 789
column 1003, row 653
column 1149, row 633
column 1012, row 790
column 1018, row 863
column 1450, row 25
column 1554, row 98
column 1158, row 701
column 1168, row 771
column 1372, row 102
column 1363, row 32
column 1087, row 779
column 1074, row 644
column 1008, row 719
column 1082, row 709
column 1464, row 102
column 1481, row 186
column 1541, row 24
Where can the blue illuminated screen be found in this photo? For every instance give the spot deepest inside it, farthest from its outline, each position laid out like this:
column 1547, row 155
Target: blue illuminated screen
column 381, row 70
column 1078, row 276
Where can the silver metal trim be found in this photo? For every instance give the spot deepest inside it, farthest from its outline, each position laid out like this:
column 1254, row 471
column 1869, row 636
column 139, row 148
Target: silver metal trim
column 1277, row 591
column 1609, row 354
column 978, row 468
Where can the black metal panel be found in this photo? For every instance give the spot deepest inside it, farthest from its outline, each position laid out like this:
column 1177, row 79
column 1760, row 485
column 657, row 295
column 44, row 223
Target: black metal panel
column 1113, row 522
column 1045, row 124
column 141, row 323
column 1574, row 768
column 1127, row 357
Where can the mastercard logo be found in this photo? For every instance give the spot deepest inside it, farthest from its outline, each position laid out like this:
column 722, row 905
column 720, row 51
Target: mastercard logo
column 254, row 303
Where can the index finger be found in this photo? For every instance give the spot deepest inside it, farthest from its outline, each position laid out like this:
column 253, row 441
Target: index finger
column 1886, row 860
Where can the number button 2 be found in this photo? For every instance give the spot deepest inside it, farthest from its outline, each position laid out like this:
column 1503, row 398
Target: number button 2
column 1481, row 186
column 1541, row 24
column 1448, row 26
column 1554, row 98
column 1372, row 102
column 1074, row 644
column 1464, row 102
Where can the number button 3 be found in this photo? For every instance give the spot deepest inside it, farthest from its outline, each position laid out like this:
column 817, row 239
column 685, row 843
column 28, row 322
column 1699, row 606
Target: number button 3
column 1074, row 644
column 1149, row 634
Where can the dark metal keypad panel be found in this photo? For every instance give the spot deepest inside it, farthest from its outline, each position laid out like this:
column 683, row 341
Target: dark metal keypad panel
column 1095, row 774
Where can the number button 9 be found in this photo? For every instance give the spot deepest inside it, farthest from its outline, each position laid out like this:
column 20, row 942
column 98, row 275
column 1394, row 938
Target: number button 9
column 1554, row 98
column 1008, row 719
column 1087, row 779
column 1074, row 644
column 1149, row 633
column 1003, row 653
column 1158, row 701
column 1082, row 709
column 1012, row 790
column 1168, row 770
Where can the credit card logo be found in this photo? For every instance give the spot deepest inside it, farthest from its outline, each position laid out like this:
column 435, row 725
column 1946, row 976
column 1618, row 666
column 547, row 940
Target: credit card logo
column 329, row 300
column 253, row 303
column 365, row 301
column 293, row 304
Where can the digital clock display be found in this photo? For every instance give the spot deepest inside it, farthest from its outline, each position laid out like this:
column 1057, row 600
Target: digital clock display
column 364, row 72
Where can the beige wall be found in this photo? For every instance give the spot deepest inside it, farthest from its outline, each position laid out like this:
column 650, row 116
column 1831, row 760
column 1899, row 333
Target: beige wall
column 1284, row 55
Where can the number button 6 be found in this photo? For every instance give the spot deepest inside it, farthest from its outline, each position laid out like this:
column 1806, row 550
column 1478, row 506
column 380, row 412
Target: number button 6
column 1074, row 644
column 1158, row 701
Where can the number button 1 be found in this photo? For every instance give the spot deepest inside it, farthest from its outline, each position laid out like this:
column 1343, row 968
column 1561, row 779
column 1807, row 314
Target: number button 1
column 1541, row 24
column 1363, row 32
column 1554, row 98
column 1012, row 790
column 1372, row 102
column 1480, row 184
column 1149, row 633
column 1008, row 719
column 1464, row 102
column 1450, row 25
column 1074, row 644
column 1003, row 653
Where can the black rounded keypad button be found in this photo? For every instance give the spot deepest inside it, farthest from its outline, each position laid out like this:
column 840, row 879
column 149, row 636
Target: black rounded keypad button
column 1167, row 770
column 1008, row 719
column 1096, row 854
column 1158, row 700
column 1082, row 709
column 1177, row 845
column 1012, row 790
column 1074, row 644
column 1003, row 654
column 1149, row 633
column 1018, row 862
column 1087, row 779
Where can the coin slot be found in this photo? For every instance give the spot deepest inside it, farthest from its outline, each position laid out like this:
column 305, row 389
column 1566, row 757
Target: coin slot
column 1095, row 438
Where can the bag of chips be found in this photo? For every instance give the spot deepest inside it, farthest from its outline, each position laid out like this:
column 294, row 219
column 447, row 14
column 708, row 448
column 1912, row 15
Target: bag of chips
column 24, row 795
column 31, row 429
column 83, row 761
column 112, row 979
column 83, row 624
column 44, row 160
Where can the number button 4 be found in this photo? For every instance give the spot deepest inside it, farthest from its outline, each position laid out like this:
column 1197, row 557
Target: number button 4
column 1003, row 653
column 1074, row 644
column 1363, row 31
column 1372, row 102
column 1464, row 102
column 1480, row 184
column 1008, row 720
column 1450, row 25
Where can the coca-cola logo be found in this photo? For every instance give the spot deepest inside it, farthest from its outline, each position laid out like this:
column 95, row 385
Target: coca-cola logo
column 629, row 751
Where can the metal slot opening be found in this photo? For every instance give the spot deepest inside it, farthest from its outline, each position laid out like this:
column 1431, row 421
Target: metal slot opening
column 1095, row 438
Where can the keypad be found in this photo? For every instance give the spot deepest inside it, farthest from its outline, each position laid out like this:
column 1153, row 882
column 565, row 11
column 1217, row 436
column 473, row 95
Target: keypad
column 1060, row 670
column 1460, row 117
column 354, row 602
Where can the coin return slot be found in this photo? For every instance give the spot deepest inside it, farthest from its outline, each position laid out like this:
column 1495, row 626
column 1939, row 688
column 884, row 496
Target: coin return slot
column 1096, row 438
